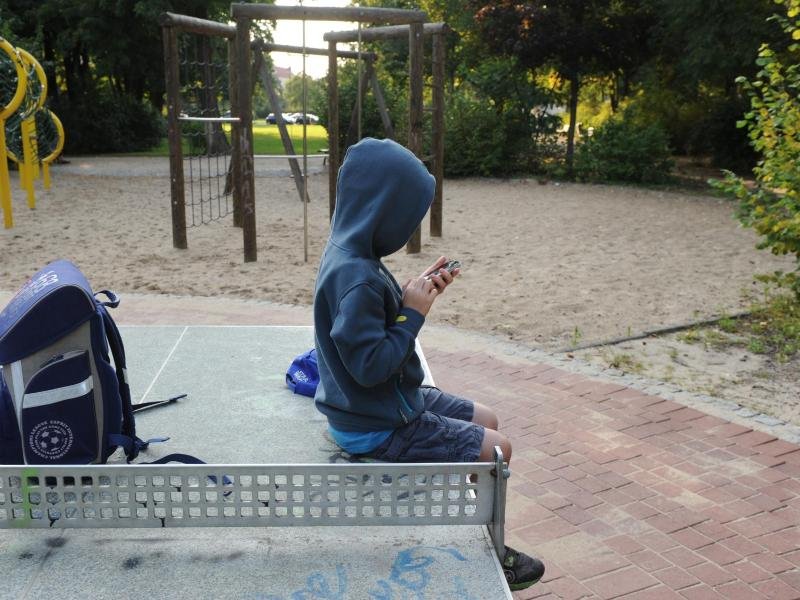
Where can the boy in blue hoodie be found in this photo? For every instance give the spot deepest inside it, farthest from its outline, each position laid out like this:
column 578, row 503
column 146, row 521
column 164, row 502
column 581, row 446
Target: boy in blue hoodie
column 366, row 325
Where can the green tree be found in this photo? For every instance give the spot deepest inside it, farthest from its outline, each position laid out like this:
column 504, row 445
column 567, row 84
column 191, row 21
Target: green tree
column 491, row 126
column 576, row 38
column 699, row 48
column 772, row 205
column 104, row 63
column 293, row 92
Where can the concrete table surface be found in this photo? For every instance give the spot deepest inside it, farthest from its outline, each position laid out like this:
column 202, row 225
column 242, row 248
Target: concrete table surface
column 239, row 411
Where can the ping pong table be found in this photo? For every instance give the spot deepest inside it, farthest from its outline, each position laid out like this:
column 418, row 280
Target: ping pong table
column 247, row 524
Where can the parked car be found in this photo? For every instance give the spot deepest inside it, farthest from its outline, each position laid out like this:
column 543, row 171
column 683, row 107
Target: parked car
column 286, row 117
column 310, row 118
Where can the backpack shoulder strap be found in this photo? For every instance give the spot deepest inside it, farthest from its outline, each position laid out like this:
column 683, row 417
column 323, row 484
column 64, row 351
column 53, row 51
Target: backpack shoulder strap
column 128, row 440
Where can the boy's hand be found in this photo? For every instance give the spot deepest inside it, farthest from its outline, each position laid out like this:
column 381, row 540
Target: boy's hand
column 419, row 294
column 443, row 278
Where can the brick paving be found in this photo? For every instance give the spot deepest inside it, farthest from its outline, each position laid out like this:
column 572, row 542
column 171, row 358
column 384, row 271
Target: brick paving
column 621, row 493
column 628, row 495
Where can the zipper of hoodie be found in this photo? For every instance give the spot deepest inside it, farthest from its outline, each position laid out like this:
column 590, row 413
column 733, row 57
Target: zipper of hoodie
column 403, row 403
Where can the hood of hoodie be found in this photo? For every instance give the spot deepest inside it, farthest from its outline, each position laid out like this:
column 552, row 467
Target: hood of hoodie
column 382, row 194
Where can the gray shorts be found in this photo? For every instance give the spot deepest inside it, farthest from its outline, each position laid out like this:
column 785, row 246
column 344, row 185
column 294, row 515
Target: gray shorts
column 444, row 432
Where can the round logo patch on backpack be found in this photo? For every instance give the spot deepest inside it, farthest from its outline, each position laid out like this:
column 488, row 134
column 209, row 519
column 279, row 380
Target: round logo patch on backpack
column 50, row 439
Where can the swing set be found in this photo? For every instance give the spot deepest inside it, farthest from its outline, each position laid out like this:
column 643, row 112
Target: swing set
column 246, row 64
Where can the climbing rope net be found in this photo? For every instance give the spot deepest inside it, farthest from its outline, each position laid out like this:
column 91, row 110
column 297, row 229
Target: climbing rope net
column 9, row 78
column 205, row 127
column 49, row 136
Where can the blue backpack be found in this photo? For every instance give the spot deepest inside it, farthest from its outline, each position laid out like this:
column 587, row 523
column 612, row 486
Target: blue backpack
column 302, row 377
column 62, row 400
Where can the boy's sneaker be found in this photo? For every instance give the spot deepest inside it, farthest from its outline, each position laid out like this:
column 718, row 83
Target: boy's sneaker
column 521, row 570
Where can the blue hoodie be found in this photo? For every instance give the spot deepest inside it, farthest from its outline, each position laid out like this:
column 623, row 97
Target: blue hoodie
column 369, row 371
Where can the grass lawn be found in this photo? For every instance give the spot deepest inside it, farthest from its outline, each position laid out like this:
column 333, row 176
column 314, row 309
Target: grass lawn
column 266, row 140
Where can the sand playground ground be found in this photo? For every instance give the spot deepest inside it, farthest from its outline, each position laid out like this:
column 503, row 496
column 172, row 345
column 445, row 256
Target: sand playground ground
column 546, row 266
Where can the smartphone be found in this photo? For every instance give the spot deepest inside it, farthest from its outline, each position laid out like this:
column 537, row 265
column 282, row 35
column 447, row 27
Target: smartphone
column 449, row 266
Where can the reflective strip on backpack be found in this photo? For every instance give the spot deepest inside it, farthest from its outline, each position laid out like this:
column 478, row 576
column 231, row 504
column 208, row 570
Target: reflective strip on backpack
column 19, row 387
column 59, row 394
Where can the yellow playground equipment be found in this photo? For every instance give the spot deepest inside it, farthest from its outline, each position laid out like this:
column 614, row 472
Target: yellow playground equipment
column 13, row 85
column 30, row 135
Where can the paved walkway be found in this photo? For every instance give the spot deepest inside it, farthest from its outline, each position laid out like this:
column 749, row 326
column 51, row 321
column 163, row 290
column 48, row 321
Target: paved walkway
column 623, row 494
column 626, row 495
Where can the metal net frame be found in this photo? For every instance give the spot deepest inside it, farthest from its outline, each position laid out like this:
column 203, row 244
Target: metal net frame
column 245, row 495
column 354, row 494
column 205, row 128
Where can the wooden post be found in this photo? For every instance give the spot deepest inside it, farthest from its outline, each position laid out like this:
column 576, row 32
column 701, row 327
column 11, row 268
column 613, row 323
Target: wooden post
column 415, row 115
column 377, row 92
column 234, row 168
column 288, row 146
column 352, row 130
column 333, row 127
column 437, row 145
column 246, row 140
column 176, row 187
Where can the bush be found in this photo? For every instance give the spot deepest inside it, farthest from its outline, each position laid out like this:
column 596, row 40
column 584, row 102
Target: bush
column 475, row 141
column 108, row 122
column 702, row 124
column 481, row 140
column 772, row 205
column 623, row 149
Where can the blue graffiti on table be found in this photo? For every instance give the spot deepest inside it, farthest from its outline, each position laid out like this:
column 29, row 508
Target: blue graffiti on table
column 318, row 587
column 411, row 574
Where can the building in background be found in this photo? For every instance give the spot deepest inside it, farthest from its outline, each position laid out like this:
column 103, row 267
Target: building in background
column 283, row 74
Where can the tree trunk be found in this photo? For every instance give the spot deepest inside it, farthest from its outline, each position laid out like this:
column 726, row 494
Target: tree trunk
column 216, row 141
column 70, row 77
column 85, row 69
column 50, row 64
column 574, row 87
column 615, row 92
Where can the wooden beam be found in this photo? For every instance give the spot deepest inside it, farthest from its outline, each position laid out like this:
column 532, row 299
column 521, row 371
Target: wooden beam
column 377, row 92
column 275, row 103
column 392, row 16
column 246, row 140
column 333, row 127
column 195, row 25
column 437, row 144
column 311, row 51
column 176, row 180
column 372, row 34
column 415, row 110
